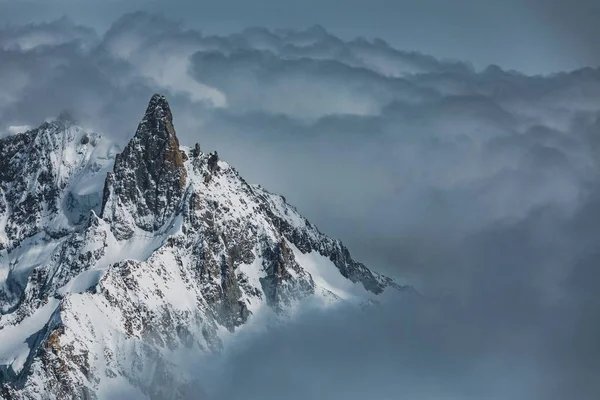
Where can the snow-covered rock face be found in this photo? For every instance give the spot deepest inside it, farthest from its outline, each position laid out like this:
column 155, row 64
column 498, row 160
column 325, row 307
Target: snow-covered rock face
column 50, row 179
column 179, row 255
column 45, row 178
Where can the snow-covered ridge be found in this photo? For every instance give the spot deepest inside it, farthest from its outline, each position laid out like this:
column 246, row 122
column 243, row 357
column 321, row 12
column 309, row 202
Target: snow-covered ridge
column 50, row 179
column 180, row 255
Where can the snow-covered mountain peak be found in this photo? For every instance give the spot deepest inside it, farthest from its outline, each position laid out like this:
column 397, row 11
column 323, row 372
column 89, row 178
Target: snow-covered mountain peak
column 158, row 109
column 181, row 255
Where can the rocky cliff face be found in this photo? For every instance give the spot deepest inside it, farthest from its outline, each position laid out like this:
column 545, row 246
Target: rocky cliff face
column 149, row 177
column 180, row 254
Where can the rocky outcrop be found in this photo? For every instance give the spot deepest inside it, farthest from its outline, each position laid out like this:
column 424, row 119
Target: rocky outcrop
column 148, row 179
column 285, row 280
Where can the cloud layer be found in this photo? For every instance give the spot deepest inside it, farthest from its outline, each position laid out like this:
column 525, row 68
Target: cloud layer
column 478, row 185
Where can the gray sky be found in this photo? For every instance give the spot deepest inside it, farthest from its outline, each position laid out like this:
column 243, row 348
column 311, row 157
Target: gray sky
column 534, row 36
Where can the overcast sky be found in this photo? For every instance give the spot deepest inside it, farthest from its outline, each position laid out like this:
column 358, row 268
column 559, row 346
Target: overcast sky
column 534, row 36
column 478, row 185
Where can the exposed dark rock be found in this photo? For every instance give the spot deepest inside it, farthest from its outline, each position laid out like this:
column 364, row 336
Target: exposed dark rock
column 196, row 152
column 213, row 161
column 149, row 177
column 281, row 288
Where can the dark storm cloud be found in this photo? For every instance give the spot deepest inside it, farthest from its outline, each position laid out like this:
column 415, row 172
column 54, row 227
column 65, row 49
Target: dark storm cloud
column 25, row 37
column 534, row 36
column 478, row 185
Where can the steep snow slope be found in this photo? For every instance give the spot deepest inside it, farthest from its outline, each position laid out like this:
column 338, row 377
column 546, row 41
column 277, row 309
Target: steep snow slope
column 50, row 178
column 181, row 254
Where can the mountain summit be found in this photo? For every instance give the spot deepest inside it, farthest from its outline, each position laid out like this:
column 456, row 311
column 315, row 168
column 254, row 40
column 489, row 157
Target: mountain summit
column 149, row 176
column 112, row 266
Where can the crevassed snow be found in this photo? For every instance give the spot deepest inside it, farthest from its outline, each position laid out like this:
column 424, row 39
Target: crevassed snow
column 14, row 349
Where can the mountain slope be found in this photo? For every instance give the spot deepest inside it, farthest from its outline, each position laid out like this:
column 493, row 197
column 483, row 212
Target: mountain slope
column 181, row 254
column 49, row 181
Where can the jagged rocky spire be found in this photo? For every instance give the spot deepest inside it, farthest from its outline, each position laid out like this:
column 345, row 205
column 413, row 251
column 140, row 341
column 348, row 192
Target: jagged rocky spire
column 149, row 177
